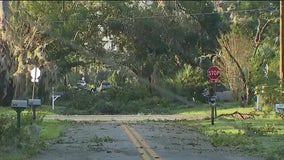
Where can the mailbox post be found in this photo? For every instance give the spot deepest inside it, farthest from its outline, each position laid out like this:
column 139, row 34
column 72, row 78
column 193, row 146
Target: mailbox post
column 213, row 102
column 34, row 103
column 19, row 106
column 54, row 97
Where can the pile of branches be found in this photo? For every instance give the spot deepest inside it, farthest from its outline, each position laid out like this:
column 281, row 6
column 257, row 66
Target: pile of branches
column 238, row 115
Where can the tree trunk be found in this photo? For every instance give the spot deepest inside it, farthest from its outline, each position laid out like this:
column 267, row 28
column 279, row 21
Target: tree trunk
column 154, row 75
column 245, row 97
column 153, row 78
column 4, row 9
column 6, row 87
column 248, row 94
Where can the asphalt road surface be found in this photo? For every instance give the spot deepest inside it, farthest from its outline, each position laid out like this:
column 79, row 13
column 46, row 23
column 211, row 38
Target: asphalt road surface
column 131, row 137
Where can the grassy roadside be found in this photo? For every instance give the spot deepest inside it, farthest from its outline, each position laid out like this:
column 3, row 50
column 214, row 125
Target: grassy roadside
column 30, row 139
column 52, row 129
column 260, row 136
column 222, row 108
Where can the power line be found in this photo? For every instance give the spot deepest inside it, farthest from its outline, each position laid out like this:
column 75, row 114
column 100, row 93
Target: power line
column 161, row 16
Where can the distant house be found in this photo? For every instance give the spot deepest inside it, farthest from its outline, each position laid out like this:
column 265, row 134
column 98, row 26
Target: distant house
column 225, row 96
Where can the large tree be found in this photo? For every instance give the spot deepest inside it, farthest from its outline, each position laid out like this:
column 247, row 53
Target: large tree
column 150, row 37
column 233, row 59
column 247, row 47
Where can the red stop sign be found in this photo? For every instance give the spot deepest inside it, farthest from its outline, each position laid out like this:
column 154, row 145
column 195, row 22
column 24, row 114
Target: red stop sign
column 213, row 73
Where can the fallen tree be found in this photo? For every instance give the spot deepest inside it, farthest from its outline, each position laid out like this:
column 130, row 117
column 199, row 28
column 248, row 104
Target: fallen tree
column 238, row 115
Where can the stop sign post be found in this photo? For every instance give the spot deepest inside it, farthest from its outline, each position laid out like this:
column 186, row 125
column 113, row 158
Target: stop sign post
column 35, row 74
column 214, row 75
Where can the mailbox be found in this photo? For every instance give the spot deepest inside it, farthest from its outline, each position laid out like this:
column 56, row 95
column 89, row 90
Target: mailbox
column 279, row 108
column 19, row 103
column 57, row 93
column 19, row 106
column 213, row 100
column 34, row 102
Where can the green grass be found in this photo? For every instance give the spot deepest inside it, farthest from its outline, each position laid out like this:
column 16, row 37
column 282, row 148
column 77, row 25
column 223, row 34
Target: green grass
column 49, row 129
column 97, row 139
column 231, row 134
column 222, row 108
column 52, row 129
column 13, row 156
column 43, row 110
column 262, row 136
column 7, row 111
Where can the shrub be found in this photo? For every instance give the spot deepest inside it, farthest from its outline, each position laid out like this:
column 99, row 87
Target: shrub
column 281, row 115
column 116, row 100
column 267, row 129
column 276, row 154
column 24, row 140
column 189, row 82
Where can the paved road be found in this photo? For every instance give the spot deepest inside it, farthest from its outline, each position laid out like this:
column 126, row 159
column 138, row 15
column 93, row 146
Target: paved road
column 131, row 138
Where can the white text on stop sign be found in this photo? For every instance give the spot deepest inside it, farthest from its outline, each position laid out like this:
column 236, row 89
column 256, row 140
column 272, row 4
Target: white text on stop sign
column 214, row 73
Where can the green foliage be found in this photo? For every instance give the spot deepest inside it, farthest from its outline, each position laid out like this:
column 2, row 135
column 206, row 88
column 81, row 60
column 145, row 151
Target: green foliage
column 249, row 139
column 143, row 42
column 117, row 79
column 276, row 154
column 189, row 82
column 267, row 55
column 268, row 99
column 52, row 129
column 190, row 76
column 127, row 100
column 246, row 22
column 267, row 129
column 261, row 136
column 281, row 115
column 222, row 138
column 267, row 80
column 5, row 128
column 100, row 140
column 24, row 141
column 143, row 36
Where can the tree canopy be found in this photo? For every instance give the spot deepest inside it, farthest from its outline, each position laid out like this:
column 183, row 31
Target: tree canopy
column 152, row 40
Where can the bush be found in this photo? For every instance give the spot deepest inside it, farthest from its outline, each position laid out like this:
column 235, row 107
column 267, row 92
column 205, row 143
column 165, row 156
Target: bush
column 281, row 115
column 276, row 154
column 127, row 100
column 24, row 140
column 189, row 82
column 267, row 129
